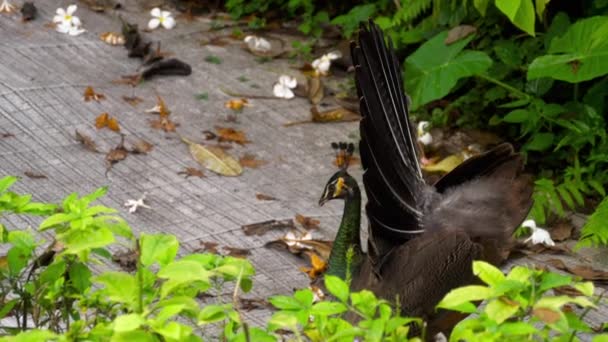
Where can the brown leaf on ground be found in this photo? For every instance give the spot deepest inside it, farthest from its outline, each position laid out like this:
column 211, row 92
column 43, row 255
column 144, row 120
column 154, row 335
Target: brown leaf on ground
column 141, row 147
column 132, row 100
column 116, row 154
column 261, row 228
column 105, row 120
column 208, row 135
column 459, row 32
column 7, row 135
column 248, row 160
column 236, row 104
column 561, row 230
column 127, row 260
column 164, row 124
column 249, row 304
column 586, row 272
column 214, row 159
column 546, row 315
column 132, row 80
column 86, row 141
column 315, row 90
column 307, row 222
column 34, row 175
column 568, row 291
column 237, row 252
column 231, row 135
column 317, row 266
column 90, row 94
column 209, row 247
column 263, row 197
column 191, row 172
column 339, row 114
column 112, row 38
column 296, row 243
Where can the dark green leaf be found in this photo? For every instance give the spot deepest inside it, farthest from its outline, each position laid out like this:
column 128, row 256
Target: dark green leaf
column 337, row 287
column 540, row 142
column 520, row 12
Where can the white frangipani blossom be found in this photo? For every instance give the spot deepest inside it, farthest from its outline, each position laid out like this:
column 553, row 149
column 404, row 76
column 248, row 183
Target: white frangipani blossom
column 323, row 63
column 256, row 43
column 293, row 238
column 67, row 22
column 539, row 235
column 134, row 204
column 423, row 135
column 7, row 7
column 283, row 88
column 164, row 18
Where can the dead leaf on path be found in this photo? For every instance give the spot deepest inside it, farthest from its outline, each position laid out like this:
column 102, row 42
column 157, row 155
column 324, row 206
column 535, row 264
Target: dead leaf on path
column 459, row 32
column 249, row 304
column 90, row 94
column 318, row 266
column 307, row 222
column 105, row 120
column 237, row 252
column 568, row 291
column 208, row 135
column 231, row 135
column 160, row 108
column 445, row 165
column 116, row 154
column 132, row 80
column 192, row 172
column 296, row 243
column 248, row 160
column 263, row 197
column 236, row 104
column 164, row 124
column 261, row 228
column 7, row 135
column 561, row 230
column 214, row 159
column 132, row 100
column 584, row 271
column 209, row 247
column 112, row 38
column 87, row 141
column 141, row 147
column 127, row 260
column 315, row 90
column 34, row 175
column 546, row 315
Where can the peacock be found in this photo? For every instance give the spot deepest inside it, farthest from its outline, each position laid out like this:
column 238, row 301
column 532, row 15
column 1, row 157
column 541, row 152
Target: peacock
column 422, row 238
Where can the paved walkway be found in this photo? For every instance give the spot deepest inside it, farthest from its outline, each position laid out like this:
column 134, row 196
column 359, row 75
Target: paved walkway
column 42, row 78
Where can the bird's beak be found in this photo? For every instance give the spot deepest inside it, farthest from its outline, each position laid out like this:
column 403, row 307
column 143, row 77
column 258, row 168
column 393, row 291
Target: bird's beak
column 324, row 199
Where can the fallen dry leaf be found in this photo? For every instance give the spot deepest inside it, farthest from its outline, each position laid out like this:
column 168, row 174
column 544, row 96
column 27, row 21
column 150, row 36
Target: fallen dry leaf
column 261, row 228
column 160, row 108
column 141, row 147
column 34, row 175
column 317, row 266
column 249, row 304
column 105, row 120
column 297, row 243
column 87, row 141
column 127, row 260
column 232, row 135
column 307, row 222
column 248, row 160
column 192, row 172
column 116, row 154
column 263, row 197
column 236, row 104
column 568, row 291
column 7, row 135
column 546, row 315
column 459, row 32
column 315, row 90
column 214, row 159
column 132, row 100
column 165, row 124
column 237, row 252
column 208, row 135
column 112, row 38
column 90, row 94
column 584, row 271
column 209, row 247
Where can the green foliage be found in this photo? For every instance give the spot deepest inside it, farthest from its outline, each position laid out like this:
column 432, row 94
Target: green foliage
column 595, row 230
column 520, row 306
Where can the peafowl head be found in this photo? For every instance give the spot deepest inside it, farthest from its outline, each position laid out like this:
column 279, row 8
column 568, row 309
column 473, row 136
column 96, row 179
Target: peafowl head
column 341, row 185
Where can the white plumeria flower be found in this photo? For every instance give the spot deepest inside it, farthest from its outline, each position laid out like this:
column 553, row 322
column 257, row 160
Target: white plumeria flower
column 66, row 17
column 539, row 235
column 283, row 88
column 256, row 43
column 292, row 239
column 134, row 204
column 423, row 135
column 70, row 29
column 164, row 18
column 323, row 63
column 6, row 7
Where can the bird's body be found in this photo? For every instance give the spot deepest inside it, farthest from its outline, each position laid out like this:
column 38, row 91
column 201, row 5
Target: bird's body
column 422, row 238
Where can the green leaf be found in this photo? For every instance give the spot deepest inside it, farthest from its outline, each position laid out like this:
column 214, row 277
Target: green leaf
column 518, row 116
column 585, row 288
column 212, row 314
column 285, row 303
column 180, row 273
column 283, row 319
column 520, row 12
column 517, row 328
column 488, row 273
column 465, row 294
column 6, row 183
column 8, row 306
column 328, row 308
column 34, row 336
column 304, row 296
column 540, row 8
column 433, row 70
column 120, row 287
column 128, row 322
column 77, row 241
column 539, row 142
column 594, row 231
column 351, row 20
column 581, row 54
column 174, row 331
column 552, row 280
column 161, row 248
column 54, row 220
column 80, row 276
column 499, row 310
column 337, row 287
column 481, row 6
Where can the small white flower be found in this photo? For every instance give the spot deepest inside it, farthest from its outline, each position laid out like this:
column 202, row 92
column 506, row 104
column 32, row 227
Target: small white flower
column 293, row 238
column 283, row 88
column 134, row 204
column 423, row 135
column 70, row 29
column 66, row 17
column 6, row 7
column 256, row 43
column 323, row 63
column 539, row 235
column 164, row 18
